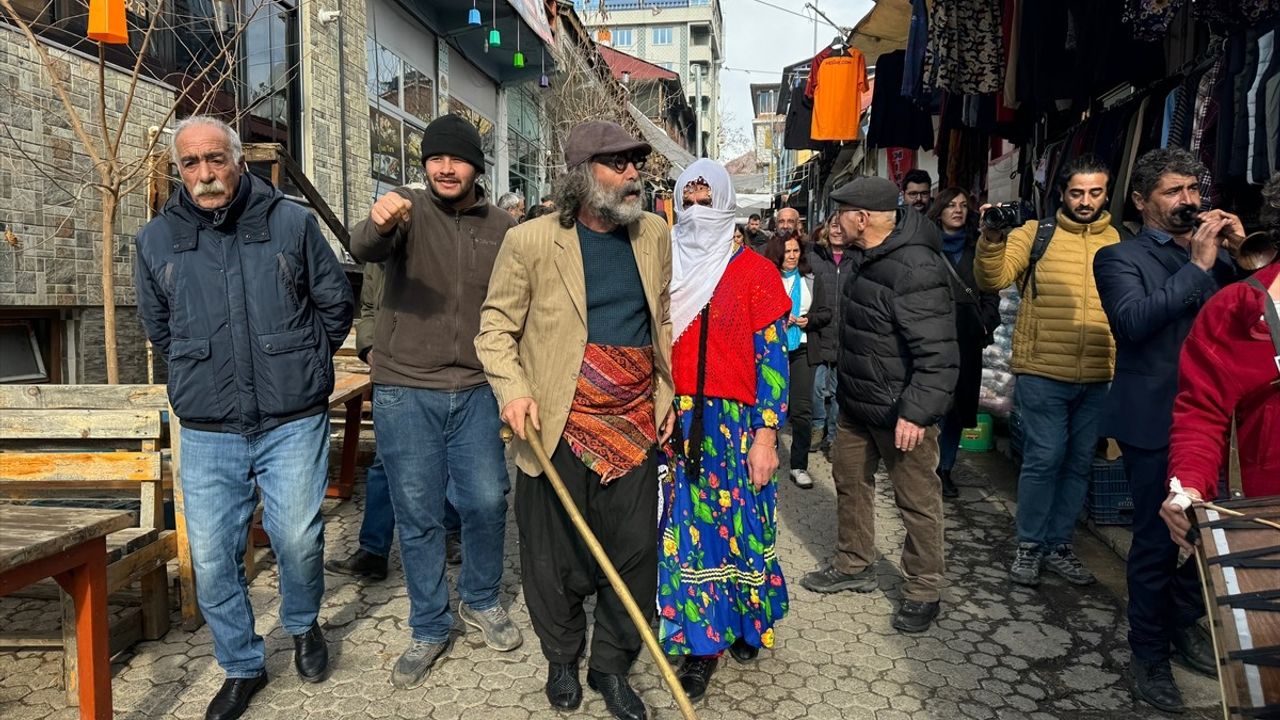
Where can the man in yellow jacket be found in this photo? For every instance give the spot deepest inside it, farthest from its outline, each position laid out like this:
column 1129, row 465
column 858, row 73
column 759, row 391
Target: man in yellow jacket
column 1063, row 356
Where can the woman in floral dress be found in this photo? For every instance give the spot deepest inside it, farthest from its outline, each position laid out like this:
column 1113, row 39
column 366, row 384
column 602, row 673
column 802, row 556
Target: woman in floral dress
column 720, row 585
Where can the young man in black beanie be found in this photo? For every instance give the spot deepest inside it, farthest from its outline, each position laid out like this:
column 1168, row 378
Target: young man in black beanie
column 435, row 416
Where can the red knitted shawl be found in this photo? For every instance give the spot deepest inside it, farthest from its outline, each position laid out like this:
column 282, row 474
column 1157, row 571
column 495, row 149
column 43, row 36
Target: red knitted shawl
column 747, row 299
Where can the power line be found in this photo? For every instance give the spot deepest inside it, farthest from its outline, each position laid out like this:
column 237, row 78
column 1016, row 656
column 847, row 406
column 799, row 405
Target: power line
column 789, row 11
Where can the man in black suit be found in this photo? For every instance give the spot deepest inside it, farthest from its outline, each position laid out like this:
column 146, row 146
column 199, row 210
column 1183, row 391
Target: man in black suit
column 1152, row 287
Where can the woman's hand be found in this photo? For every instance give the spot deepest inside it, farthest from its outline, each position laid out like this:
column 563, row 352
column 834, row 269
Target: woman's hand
column 762, row 459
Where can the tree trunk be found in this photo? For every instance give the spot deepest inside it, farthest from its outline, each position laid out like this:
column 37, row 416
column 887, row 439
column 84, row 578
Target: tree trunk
column 109, row 200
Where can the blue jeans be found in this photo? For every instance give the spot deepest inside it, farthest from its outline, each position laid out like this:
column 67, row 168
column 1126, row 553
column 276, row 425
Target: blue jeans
column 438, row 447
column 221, row 476
column 379, row 523
column 1060, row 426
column 949, row 442
column 824, row 400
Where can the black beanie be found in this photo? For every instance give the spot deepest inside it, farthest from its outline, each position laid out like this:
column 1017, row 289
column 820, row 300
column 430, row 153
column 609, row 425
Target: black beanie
column 453, row 135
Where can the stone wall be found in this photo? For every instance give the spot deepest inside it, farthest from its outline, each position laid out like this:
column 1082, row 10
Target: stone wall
column 321, row 117
column 45, row 196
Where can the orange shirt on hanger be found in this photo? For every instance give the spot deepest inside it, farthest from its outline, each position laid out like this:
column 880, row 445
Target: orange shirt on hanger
column 837, row 99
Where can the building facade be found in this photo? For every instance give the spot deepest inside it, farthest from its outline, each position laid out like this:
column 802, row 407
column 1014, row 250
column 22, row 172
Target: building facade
column 281, row 71
column 684, row 36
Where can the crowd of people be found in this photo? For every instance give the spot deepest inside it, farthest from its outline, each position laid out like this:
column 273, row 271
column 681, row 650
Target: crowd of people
column 623, row 345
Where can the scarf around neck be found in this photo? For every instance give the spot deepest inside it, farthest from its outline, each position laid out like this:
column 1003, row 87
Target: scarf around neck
column 702, row 243
column 794, row 333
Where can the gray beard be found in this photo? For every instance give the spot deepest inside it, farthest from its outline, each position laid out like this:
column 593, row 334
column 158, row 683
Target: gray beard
column 611, row 207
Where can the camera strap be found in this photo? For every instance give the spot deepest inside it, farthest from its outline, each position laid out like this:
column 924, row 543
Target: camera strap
column 1044, row 234
column 1271, row 315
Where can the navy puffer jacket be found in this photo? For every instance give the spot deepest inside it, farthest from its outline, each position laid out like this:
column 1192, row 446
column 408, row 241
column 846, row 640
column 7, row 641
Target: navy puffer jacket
column 248, row 306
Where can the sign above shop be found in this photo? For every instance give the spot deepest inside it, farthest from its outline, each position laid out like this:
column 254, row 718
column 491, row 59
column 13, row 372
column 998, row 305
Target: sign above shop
column 534, row 13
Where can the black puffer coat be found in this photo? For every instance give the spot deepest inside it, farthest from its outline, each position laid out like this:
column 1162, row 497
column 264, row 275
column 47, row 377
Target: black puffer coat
column 898, row 353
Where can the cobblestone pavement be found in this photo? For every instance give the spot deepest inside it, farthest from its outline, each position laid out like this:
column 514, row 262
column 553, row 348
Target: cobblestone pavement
column 998, row 651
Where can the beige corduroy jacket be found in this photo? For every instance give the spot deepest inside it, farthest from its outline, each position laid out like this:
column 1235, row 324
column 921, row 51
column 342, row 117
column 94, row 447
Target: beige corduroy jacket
column 533, row 325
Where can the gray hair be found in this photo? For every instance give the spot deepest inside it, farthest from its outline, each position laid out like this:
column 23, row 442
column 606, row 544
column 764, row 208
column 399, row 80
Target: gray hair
column 575, row 188
column 510, row 201
column 1162, row 161
column 233, row 137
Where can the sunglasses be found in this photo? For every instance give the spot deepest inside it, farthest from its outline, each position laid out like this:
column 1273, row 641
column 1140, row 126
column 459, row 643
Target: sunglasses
column 619, row 162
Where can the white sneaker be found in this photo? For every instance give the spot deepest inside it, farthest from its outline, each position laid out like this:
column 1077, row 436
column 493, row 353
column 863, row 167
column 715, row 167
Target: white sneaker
column 801, row 479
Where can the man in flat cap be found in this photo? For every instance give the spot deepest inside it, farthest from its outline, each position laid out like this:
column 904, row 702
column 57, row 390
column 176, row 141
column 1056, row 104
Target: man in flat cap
column 435, row 416
column 898, row 367
column 575, row 336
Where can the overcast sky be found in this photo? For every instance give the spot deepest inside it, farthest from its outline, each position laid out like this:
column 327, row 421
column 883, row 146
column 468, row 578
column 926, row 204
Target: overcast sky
column 759, row 37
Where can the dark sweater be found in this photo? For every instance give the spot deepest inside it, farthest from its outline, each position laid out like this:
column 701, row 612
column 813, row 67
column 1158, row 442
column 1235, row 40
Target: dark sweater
column 616, row 309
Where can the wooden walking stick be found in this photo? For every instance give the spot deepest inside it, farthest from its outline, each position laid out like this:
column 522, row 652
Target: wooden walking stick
column 602, row 558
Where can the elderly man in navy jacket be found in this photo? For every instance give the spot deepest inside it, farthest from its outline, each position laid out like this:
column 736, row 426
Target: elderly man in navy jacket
column 243, row 296
column 1152, row 287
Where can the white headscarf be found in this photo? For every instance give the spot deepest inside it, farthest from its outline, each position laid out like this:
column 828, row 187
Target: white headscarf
column 702, row 242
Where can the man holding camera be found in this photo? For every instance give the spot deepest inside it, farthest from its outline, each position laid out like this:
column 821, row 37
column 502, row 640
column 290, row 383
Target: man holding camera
column 1063, row 356
column 1152, row 288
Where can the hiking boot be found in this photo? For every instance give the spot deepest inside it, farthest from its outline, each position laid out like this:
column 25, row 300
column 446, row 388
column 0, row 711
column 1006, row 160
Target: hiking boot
column 1025, row 569
column 1062, row 561
column 414, row 665
column 949, row 489
column 1195, row 649
column 499, row 632
column 915, row 616
column 1152, row 682
column 361, row 564
column 801, row 479
column 831, row 580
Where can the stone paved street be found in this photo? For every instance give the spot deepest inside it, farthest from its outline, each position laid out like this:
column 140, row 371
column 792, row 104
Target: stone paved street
column 997, row 652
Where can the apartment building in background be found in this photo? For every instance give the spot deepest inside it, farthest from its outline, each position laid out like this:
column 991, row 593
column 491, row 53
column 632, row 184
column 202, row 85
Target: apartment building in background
column 683, row 36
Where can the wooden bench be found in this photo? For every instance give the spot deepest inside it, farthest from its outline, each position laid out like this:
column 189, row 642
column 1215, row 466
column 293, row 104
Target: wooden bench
column 100, row 442
column 67, row 544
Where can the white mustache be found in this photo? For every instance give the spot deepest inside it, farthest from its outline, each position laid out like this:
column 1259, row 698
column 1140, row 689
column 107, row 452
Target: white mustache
column 210, row 188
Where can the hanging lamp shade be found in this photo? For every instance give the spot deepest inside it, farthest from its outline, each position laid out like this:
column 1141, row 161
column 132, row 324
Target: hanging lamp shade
column 518, row 60
column 473, row 17
column 107, row 22
column 604, row 35
column 544, row 81
column 495, row 38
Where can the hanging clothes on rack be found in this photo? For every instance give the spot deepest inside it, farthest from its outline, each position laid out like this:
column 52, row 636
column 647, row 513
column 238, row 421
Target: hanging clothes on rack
column 897, row 121
column 799, row 122
column 837, row 97
column 917, row 45
column 966, row 48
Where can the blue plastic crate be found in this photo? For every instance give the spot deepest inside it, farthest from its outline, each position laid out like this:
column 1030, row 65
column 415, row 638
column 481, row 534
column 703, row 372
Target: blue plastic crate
column 1110, row 502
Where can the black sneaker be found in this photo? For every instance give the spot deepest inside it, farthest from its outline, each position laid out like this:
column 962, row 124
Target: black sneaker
column 1152, row 683
column 914, row 616
column 361, row 564
column 831, row 580
column 1062, row 561
column 695, row 675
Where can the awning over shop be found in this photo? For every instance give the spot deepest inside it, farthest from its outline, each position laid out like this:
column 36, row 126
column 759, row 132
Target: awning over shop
column 882, row 30
column 662, row 142
column 517, row 21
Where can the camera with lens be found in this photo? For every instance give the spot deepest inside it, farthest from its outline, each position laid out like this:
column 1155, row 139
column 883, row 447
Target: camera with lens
column 1004, row 216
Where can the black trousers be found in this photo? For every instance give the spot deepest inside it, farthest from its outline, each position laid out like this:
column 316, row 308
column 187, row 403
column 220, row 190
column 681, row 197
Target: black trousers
column 800, row 407
column 1162, row 595
column 558, row 571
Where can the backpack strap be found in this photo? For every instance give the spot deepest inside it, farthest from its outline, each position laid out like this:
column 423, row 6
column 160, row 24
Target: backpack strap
column 1271, row 314
column 1044, row 234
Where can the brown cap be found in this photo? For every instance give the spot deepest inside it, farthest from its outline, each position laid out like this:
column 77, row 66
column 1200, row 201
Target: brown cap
column 598, row 137
column 867, row 193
